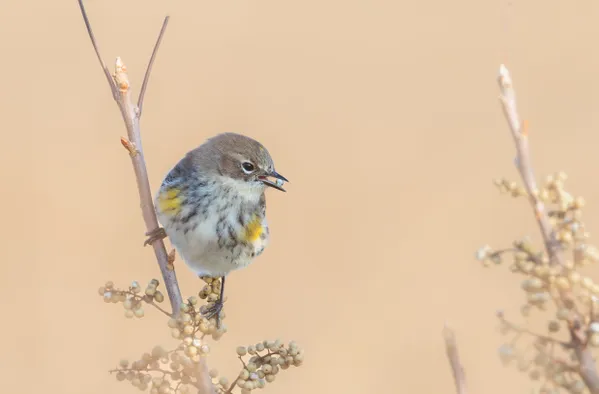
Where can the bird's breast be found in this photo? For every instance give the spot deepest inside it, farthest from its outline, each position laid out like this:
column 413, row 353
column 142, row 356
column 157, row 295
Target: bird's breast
column 255, row 229
column 213, row 227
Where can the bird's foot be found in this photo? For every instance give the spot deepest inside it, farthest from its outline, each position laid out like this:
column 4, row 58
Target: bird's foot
column 213, row 310
column 155, row 235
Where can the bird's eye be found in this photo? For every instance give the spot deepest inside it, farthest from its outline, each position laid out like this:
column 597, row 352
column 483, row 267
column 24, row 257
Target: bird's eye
column 247, row 167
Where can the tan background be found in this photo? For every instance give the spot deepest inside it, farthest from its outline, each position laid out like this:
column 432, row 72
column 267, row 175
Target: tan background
column 383, row 115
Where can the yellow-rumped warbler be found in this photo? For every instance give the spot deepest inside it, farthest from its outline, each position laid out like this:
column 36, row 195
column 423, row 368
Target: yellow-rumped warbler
column 213, row 209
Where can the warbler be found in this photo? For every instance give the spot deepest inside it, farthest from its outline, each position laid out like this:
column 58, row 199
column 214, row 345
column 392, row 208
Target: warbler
column 212, row 207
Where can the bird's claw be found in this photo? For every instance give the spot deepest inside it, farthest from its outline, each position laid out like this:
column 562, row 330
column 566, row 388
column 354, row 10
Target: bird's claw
column 155, row 235
column 213, row 310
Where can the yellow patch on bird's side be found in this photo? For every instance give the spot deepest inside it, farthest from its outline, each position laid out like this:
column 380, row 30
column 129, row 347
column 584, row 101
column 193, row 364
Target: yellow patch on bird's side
column 253, row 230
column 169, row 201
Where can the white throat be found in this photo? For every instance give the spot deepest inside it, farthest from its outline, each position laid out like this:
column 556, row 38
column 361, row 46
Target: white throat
column 249, row 191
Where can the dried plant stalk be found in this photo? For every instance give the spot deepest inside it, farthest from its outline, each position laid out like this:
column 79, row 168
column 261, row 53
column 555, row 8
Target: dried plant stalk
column 121, row 92
column 451, row 348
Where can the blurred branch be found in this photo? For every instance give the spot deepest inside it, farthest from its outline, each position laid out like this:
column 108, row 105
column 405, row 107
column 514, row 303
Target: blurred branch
column 121, row 90
column 524, row 165
column 451, row 348
column 523, row 330
column 588, row 370
column 204, row 382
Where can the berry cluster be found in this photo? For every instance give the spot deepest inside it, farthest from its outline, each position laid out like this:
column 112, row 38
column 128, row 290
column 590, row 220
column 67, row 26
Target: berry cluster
column 555, row 287
column 264, row 361
column 190, row 326
column 161, row 371
column 177, row 371
column 132, row 298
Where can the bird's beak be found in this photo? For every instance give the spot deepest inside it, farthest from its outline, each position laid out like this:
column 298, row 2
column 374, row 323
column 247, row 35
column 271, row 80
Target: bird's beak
column 277, row 185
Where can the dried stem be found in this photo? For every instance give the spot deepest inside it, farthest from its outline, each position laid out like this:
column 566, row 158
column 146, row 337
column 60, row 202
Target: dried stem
column 94, row 43
column 524, row 165
column 588, row 371
column 121, row 91
column 519, row 131
column 523, row 330
column 155, row 305
column 204, row 382
column 144, row 85
column 451, row 348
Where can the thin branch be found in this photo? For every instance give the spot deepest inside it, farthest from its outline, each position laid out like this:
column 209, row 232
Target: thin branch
column 588, row 370
column 234, row 384
column 144, row 85
column 121, row 91
column 524, row 165
column 122, row 95
column 163, row 371
column 451, row 348
column 90, row 32
column 155, row 305
column 204, row 381
column 524, row 330
column 149, row 301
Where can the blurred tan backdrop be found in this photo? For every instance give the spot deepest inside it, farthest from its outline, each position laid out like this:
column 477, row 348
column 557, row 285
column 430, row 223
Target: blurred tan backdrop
column 384, row 116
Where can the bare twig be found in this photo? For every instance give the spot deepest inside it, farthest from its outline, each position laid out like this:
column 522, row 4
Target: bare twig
column 155, row 305
column 93, row 39
column 121, row 90
column 451, row 348
column 144, row 85
column 588, row 370
column 232, row 386
column 204, row 382
column 523, row 330
column 523, row 162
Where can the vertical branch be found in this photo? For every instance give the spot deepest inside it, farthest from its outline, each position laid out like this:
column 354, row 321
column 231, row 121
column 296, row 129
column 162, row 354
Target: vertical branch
column 451, row 348
column 588, row 369
column 144, row 85
column 121, row 90
column 130, row 114
column 523, row 162
column 95, row 45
